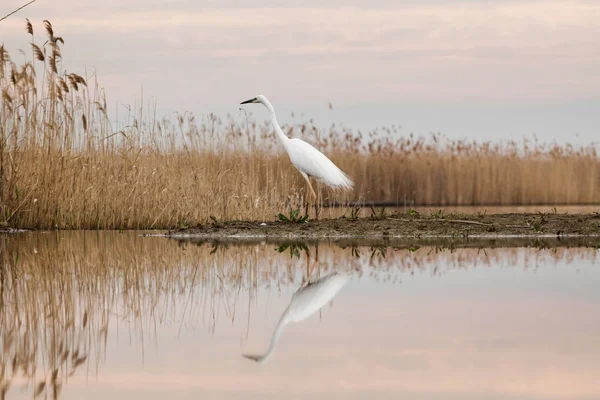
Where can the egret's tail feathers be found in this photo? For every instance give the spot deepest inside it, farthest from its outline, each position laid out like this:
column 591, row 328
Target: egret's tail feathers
column 340, row 180
column 348, row 184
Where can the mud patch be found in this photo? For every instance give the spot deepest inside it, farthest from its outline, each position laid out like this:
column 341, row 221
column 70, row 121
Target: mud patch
column 399, row 225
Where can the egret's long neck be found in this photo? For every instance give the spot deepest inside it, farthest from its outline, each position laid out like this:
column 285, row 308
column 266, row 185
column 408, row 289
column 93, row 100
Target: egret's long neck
column 283, row 321
column 282, row 137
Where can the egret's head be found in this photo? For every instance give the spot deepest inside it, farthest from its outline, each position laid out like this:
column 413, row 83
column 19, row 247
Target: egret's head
column 258, row 99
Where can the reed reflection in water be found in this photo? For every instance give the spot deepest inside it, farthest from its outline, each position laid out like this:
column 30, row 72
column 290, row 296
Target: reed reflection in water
column 99, row 314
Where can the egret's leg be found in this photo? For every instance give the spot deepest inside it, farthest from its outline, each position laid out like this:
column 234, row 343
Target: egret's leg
column 316, row 258
column 315, row 199
column 306, row 196
column 307, row 278
column 309, row 268
column 306, row 206
column 316, row 204
column 317, row 208
column 312, row 191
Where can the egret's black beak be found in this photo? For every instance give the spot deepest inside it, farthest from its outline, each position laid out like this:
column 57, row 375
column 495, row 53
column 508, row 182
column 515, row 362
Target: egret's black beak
column 249, row 101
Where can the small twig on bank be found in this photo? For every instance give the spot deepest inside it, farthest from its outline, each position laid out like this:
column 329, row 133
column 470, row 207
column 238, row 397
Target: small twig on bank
column 401, row 219
column 463, row 221
column 456, row 221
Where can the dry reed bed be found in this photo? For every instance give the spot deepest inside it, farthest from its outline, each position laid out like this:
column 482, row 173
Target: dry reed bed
column 64, row 165
column 59, row 291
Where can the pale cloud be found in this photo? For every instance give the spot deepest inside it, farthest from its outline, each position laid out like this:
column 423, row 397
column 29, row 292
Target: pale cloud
column 430, row 53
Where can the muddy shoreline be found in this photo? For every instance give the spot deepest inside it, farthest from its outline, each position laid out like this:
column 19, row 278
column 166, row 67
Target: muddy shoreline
column 397, row 227
column 404, row 225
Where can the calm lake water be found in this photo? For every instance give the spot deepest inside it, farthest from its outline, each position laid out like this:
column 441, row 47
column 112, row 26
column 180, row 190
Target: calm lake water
column 100, row 315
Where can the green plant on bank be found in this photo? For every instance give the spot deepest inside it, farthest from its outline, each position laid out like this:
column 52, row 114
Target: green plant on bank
column 293, row 217
column 183, row 223
column 215, row 221
column 355, row 213
column 538, row 226
column 437, row 214
column 381, row 214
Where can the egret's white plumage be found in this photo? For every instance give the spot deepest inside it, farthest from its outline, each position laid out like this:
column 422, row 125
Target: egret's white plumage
column 305, row 302
column 307, row 159
column 312, row 162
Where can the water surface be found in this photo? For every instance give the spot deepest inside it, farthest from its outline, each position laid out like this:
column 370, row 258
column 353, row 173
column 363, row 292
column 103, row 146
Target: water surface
column 101, row 315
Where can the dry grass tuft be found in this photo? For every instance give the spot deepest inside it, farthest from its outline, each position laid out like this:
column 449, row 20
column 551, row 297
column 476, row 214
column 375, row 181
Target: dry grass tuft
column 62, row 165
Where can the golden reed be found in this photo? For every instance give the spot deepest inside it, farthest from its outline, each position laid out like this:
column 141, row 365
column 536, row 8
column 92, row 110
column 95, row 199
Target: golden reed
column 63, row 165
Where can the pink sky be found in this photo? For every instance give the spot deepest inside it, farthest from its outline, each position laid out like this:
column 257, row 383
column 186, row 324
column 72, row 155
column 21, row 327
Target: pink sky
column 464, row 68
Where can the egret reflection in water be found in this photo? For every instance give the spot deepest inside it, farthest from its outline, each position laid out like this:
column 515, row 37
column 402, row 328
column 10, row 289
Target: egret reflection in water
column 307, row 300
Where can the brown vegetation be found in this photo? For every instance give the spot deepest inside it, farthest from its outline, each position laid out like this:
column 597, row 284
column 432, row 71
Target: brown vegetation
column 63, row 164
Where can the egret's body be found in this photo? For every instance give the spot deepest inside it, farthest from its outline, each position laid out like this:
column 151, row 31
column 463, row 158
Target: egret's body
column 307, row 159
column 305, row 302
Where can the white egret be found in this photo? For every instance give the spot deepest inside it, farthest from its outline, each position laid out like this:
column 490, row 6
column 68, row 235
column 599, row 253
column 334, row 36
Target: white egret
column 308, row 160
column 306, row 301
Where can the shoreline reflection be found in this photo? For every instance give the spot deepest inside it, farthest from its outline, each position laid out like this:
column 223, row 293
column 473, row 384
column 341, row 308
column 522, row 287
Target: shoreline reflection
column 66, row 298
